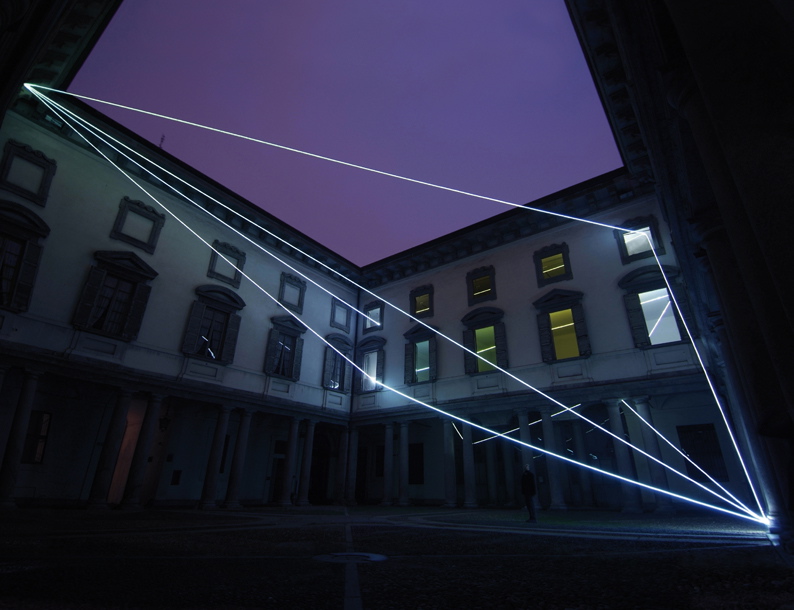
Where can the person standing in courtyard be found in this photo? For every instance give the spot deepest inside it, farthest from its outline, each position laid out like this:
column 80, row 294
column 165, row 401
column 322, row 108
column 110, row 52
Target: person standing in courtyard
column 528, row 489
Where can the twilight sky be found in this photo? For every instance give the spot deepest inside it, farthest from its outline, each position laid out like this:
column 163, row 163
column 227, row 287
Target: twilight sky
column 492, row 98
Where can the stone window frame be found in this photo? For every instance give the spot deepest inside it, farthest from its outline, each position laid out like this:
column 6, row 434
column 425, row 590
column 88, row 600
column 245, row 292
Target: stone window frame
column 637, row 223
column 558, row 300
column 344, row 345
column 645, row 279
column 367, row 346
column 14, row 149
column 230, row 252
column 546, row 252
column 371, row 306
column 129, row 206
column 288, row 279
column 20, row 224
column 484, row 317
column 418, row 334
column 337, row 304
column 417, row 292
column 476, row 274
column 36, row 437
column 123, row 265
column 284, row 326
column 221, row 299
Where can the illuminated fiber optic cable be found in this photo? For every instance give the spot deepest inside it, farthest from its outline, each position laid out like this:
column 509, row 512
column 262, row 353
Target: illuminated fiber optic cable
column 528, row 425
column 321, row 337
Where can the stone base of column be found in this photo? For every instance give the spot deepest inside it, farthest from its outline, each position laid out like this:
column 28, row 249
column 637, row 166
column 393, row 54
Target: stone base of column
column 232, row 505
column 470, row 505
column 631, row 510
column 558, row 506
column 665, row 508
column 386, row 503
column 207, row 505
column 303, row 503
column 98, row 505
column 450, row 505
column 403, row 503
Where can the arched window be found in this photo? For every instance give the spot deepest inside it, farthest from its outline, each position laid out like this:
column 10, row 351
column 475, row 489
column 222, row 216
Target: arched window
column 20, row 233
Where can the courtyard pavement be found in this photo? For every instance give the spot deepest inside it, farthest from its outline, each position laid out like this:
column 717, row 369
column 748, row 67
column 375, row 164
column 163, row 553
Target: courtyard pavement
column 386, row 557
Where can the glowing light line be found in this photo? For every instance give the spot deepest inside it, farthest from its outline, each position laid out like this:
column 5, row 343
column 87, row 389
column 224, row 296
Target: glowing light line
column 456, row 430
column 528, row 425
column 664, row 311
column 454, row 342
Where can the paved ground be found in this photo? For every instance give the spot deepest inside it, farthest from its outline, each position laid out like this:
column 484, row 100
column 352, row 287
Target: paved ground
column 374, row 557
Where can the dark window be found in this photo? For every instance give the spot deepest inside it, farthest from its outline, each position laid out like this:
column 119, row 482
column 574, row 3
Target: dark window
column 26, row 172
column 701, row 445
column 552, row 264
column 422, row 302
column 114, row 297
column 230, row 269
column 636, row 245
column 416, row 464
column 486, row 336
column 481, row 285
column 371, row 357
column 138, row 225
column 340, row 315
column 337, row 372
column 36, row 438
column 374, row 316
column 284, row 348
column 20, row 232
column 291, row 292
column 561, row 326
column 213, row 324
column 421, row 355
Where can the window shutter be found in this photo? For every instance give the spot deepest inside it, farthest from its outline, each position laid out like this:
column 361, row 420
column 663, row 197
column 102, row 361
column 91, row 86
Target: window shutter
column 546, row 342
column 91, row 289
column 137, row 308
column 26, row 278
column 409, row 377
column 380, row 368
column 469, row 360
column 582, row 336
column 433, row 356
column 500, row 337
column 348, row 376
column 230, row 340
column 296, row 363
column 328, row 365
column 193, row 329
column 686, row 310
column 639, row 331
column 271, row 353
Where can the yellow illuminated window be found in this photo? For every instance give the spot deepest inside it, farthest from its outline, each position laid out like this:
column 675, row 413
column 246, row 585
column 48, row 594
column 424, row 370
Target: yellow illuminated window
column 552, row 265
column 485, row 343
column 563, row 334
column 481, row 285
column 422, row 303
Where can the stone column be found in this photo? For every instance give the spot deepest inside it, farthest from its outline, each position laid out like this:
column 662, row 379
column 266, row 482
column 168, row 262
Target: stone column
column 352, row 468
column 238, row 461
column 469, row 476
column 525, row 436
column 490, row 466
column 508, row 455
column 143, row 451
column 341, row 468
column 553, row 465
column 210, row 491
column 388, row 464
column 664, row 503
column 450, row 486
column 103, row 476
column 306, row 464
column 289, row 464
column 630, row 493
column 404, row 430
column 16, row 440
column 580, row 452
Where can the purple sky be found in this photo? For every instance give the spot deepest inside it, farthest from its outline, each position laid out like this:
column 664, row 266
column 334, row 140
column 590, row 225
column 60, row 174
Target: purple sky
column 491, row 98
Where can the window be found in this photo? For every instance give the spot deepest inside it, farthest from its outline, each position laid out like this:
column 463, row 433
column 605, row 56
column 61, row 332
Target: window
column 20, row 232
column 420, row 355
column 552, row 264
column 481, row 285
column 340, row 315
column 213, row 325
column 371, row 360
column 36, row 438
column 635, row 246
column 229, row 270
column 26, row 172
column 374, row 319
column 422, row 302
column 114, row 296
column 291, row 292
column 337, row 371
column 138, row 224
column 701, row 445
column 652, row 317
column 561, row 326
column 284, row 348
column 486, row 336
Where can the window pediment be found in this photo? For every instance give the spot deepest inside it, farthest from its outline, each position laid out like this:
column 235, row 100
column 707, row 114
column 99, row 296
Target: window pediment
column 288, row 325
column 647, row 277
column 557, row 299
column 126, row 262
column 420, row 333
column 23, row 219
column 483, row 316
column 220, row 296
